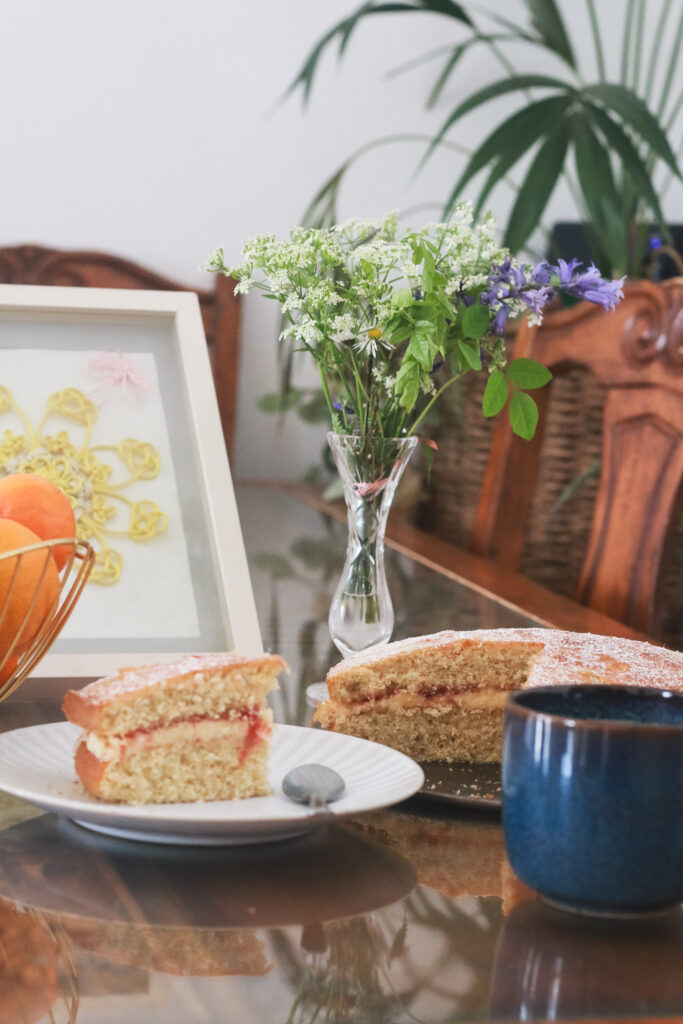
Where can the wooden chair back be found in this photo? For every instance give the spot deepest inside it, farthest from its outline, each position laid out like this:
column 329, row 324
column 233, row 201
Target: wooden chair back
column 220, row 307
column 636, row 353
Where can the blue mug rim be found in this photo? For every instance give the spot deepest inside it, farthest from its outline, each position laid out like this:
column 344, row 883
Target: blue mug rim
column 515, row 705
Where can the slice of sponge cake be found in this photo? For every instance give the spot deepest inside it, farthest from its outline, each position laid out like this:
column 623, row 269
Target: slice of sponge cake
column 197, row 729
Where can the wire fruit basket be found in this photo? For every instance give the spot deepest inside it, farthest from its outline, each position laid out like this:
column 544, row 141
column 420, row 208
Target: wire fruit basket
column 27, row 630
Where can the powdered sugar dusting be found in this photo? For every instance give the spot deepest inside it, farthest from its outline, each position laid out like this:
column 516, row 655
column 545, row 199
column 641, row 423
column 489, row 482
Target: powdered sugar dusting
column 132, row 680
column 563, row 657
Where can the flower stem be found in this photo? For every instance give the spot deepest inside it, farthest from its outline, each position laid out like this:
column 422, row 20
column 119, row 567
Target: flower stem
column 435, row 396
column 326, row 393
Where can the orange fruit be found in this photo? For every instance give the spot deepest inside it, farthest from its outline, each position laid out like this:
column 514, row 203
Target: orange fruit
column 37, row 503
column 29, row 586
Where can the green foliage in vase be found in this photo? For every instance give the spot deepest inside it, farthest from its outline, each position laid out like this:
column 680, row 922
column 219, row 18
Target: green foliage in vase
column 608, row 137
column 386, row 314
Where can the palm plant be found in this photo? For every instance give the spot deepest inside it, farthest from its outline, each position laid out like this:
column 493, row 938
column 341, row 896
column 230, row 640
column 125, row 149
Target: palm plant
column 608, row 138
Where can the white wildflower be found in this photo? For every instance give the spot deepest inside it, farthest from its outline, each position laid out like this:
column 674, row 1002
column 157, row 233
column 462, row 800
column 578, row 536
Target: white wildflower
column 308, row 331
column 280, row 282
column 214, row 261
column 371, row 343
column 344, row 323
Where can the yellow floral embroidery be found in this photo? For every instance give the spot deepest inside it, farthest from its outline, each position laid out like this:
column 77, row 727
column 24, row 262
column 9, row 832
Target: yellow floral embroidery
column 76, row 467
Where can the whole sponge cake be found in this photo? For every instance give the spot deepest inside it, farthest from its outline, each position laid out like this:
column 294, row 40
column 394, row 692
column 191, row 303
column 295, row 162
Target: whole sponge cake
column 441, row 697
column 197, row 729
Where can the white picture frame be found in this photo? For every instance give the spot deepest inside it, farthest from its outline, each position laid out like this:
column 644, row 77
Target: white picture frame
column 48, row 337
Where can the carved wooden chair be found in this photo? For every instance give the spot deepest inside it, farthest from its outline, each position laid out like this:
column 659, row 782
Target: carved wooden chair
column 635, row 357
column 220, row 307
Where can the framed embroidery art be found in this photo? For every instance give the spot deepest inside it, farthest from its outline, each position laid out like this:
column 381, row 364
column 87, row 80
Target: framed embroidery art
column 110, row 393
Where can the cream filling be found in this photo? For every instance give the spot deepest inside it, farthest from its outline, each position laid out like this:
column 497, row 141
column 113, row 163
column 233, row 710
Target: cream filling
column 473, row 700
column 233, row 732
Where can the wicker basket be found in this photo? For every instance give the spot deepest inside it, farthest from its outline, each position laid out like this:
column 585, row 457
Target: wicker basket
column 72, row 579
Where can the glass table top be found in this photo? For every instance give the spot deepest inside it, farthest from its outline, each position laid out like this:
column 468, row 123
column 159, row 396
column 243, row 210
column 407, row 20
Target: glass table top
column 402, row 916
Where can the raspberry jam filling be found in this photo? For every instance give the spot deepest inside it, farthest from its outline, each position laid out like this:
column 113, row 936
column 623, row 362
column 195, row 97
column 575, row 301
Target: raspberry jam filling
column 257, row 729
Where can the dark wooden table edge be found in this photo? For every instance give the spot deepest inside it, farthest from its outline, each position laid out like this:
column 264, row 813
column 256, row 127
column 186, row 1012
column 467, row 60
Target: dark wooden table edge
column 521, row 594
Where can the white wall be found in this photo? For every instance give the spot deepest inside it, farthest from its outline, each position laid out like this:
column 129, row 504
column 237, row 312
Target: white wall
column 152, row 129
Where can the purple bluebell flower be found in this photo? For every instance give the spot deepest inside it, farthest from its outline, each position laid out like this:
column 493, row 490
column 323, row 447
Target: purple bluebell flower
column 538, row 298
column 606, row 294
column 589, row 284
column 565, row 271
column 536, row 286
column 340, row 407
column 500, row 319
column 540, row 273
column 508, row 281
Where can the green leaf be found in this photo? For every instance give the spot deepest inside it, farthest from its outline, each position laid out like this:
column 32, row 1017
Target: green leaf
column 470, row 354
column 495, row 393
column 632, row 163
column 537, row 188
column 547, row 21
column 408, row 383
column 421, row 347
column 635, row 114
column 345, row 28
column 448, row 69
column 514, row 83
column 458, row 52
column 475, row 321
column 402, row 298
column 278, row 402
column 512, row 139
column 428, row 270
column 523, row 413
column 454, row 361
column 595, row 175
column 401, row 333
column 528, row 374
column 308, row 69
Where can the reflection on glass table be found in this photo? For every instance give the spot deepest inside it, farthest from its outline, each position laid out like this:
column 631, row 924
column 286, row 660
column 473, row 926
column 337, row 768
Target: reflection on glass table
column 399, row 917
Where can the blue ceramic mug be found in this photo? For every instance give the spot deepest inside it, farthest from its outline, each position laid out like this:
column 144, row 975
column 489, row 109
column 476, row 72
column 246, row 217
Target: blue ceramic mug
column 593, row 795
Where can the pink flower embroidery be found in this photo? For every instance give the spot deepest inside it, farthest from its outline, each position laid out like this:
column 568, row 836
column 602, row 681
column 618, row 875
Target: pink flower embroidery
column 114, row 369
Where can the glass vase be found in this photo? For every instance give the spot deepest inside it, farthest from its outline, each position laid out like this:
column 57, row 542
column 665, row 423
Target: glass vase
column 370, row 468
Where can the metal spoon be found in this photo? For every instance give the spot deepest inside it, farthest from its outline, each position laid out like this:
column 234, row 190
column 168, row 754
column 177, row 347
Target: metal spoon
column 313, row 784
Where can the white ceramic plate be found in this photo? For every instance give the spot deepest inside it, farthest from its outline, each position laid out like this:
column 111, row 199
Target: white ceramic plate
column 36, row 764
